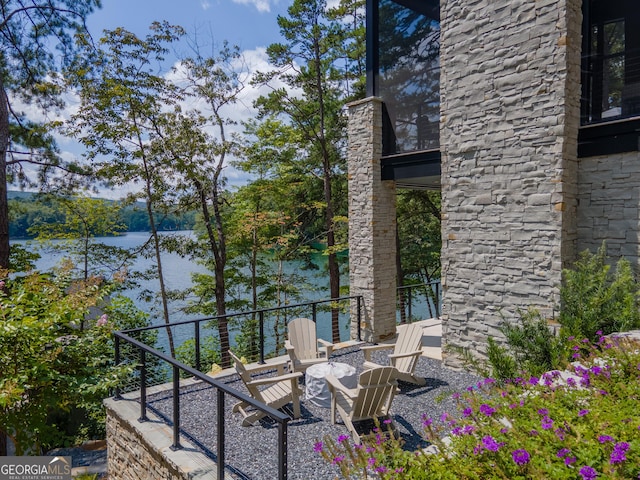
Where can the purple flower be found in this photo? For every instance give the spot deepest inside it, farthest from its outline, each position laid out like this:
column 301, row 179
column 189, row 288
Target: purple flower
column 520, row 457
column 547, row 423
column 338, row 459
column 618, row 454
column 381, row 469
column 605, row 439
column 488, row 410
column 563, row 452
column 371, row 461
column 387, row 421
column 582, row 413
column 426, row 422
column 343, row 438
column 490, row 443
column 588, row 473
column 317, row 447
column 569, row 460
column 534, row 381
column 456, row 431
column 455, row 396
column 468, row 429
column 467, row 412
column 543, row 411
column 559, row 433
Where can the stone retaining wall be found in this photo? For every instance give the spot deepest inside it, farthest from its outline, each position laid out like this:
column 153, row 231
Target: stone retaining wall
column 142, row 450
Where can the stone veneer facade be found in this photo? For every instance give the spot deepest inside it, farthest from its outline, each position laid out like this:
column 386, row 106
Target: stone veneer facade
column 510, row 92
column 609, row 205
column 372, row 225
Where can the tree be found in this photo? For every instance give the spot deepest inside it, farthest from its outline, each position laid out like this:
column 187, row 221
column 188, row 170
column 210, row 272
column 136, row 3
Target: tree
column 29, row 32
column 313, row 103
column 124, row 105
column 84, row 219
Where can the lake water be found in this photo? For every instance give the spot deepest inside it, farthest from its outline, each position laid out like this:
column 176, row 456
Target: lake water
column 178, row 270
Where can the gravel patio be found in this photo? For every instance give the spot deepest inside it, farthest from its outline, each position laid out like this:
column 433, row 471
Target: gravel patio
column 251, row 452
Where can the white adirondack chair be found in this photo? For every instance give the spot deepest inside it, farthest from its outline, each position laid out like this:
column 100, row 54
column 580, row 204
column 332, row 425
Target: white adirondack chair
column 370, row 400
column 406, row 351
column 303, row 346
column 276, row 392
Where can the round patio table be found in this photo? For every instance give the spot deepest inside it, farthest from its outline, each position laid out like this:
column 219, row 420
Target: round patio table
column 317, row 391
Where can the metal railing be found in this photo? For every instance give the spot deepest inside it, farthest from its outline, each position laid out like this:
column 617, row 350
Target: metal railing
column 222, row 391
column 428, row 295
column 142, row 361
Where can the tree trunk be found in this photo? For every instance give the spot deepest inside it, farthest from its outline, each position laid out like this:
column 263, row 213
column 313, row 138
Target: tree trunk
column 4, row 205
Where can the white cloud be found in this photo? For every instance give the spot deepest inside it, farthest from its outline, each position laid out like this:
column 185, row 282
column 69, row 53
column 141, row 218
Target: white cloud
column 261, row 5
column 205, row 5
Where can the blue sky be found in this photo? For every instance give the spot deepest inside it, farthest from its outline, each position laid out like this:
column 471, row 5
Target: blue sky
column 249, row 24
column 246, row 23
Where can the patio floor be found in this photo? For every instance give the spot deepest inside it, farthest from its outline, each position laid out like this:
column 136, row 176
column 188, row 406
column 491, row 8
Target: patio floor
column 251, row 452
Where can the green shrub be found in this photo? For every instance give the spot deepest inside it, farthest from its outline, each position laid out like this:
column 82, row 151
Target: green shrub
column 595, row 298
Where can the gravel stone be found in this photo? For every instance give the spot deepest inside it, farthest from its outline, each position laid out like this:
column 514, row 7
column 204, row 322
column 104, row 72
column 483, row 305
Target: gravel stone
column 252, row 452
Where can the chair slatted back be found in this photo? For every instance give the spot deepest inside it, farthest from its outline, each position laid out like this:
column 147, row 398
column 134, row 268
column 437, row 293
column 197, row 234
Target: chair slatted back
column 409, row 340
column 376, row 389
column 245, row 375
column 302, row 335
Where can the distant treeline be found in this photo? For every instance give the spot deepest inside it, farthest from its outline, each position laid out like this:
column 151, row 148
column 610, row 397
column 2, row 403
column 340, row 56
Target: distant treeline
column 28, row 209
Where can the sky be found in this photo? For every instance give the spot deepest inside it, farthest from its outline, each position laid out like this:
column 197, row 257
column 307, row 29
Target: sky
column 249, row 24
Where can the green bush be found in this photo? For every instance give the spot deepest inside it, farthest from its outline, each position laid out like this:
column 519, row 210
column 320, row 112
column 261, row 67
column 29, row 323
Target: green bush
column 57, row 360
column 531, row 346
column 595, row 298
column 581, row 426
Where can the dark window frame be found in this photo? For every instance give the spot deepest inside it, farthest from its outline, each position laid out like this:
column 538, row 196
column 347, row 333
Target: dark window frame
column 618, row 134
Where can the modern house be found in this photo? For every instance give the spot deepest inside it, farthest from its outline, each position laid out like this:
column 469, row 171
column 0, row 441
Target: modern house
column 525, row 114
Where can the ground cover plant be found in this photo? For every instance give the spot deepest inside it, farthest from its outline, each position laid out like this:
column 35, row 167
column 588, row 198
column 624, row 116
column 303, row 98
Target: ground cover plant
column 582, row 423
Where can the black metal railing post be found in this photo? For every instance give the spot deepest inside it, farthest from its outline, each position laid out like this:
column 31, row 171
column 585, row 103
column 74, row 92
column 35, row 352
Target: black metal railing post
column 143, row 386
column 116, row 392
column 176, row 409
column 220, row 420
column 410, row 300
column 359, row 317
column 261, row 332
column 314, row 312
column 197, row 340
column 282, row 451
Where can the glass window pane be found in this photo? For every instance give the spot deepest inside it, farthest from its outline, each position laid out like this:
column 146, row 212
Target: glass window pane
column 409, row 75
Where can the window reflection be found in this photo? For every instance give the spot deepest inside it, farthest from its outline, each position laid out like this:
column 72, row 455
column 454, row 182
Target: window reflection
column 409, row 74
column 611, row 78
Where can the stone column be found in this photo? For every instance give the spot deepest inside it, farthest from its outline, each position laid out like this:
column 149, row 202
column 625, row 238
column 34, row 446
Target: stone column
column 510, row 80
column 372, row 225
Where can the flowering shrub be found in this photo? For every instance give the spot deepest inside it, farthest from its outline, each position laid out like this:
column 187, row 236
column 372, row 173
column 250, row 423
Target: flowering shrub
column 583, row 423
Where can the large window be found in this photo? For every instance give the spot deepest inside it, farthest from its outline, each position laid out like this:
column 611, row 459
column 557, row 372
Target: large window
column 610, row 60
column 404, row 72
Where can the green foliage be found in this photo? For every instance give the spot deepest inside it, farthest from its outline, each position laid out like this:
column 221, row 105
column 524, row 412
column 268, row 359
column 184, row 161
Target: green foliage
column 57, row 360
column 578, row 425
column 531, row 347
column 209, row 352
column 595, row 298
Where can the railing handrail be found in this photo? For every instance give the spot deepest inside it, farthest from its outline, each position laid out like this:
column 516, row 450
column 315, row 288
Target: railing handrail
column 239, row 314
column 281, row 418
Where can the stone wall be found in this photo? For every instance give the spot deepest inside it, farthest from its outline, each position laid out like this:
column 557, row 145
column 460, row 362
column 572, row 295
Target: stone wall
column 372, row 225
column 510, row 80
column 609, row 205
column 142, row 450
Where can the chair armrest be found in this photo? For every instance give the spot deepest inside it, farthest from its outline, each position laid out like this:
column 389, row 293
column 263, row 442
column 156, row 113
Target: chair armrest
column 327, row 345
column 279, row 378
column 405, row 354
column 373, row 348
column 270, row 365
column 336, row 385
